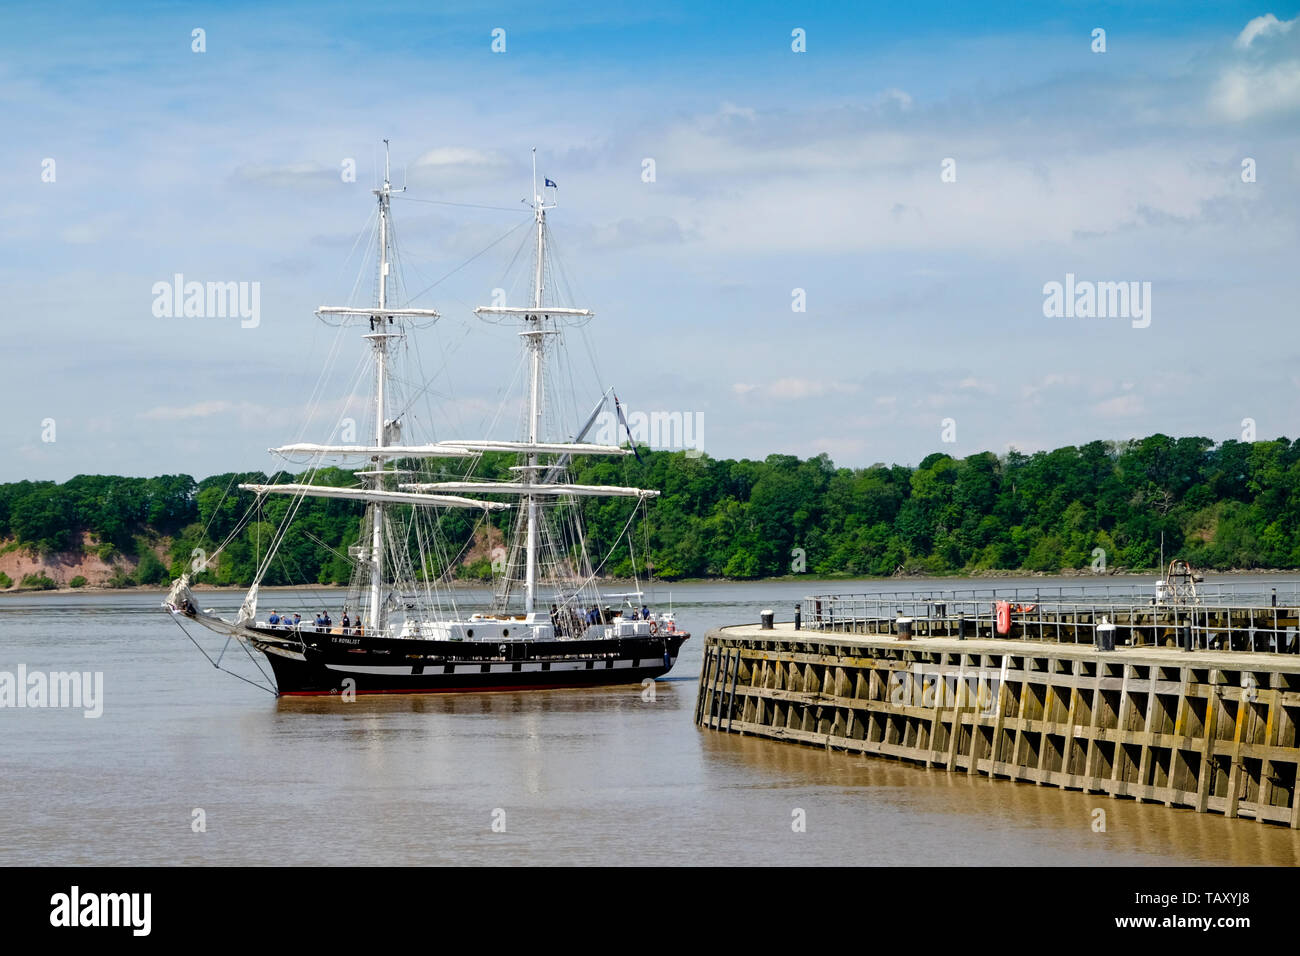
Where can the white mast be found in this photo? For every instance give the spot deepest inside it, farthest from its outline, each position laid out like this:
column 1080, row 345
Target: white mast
column 535, row 335
column 381, row 318
column 379, row 339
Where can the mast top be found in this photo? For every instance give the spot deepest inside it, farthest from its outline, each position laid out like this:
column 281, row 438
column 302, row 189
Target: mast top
column 386, row 190
column 539, row 204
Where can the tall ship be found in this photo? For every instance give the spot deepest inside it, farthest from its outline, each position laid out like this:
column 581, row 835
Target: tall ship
column 402, row 629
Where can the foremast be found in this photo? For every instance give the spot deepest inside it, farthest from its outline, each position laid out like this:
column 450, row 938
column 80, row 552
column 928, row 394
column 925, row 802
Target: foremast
column 387, row 444
column 535, row 335
column 381, row 327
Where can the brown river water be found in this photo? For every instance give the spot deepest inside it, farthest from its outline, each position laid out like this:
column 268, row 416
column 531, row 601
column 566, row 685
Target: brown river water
column 572, row 777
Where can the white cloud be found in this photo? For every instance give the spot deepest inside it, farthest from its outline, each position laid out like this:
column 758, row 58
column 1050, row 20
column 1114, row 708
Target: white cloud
column 460, row 156
column 302, row 175
column 1031, row 391
column 1262, row 26
column 1247, row 91
column 174, row 413
column 1264, row 77
column 1121, row 406
column 785, row 389
column 896, row 97
column 650, row 230
column 973, row 384
column 457, row 167
column 731, row 109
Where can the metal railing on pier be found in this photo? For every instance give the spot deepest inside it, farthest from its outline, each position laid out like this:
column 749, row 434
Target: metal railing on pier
column 1242, row 593
column 1042, row 615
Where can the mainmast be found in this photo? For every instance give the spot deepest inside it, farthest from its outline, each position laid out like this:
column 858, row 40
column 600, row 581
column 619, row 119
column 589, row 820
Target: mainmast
column 379, row 336
column 534, row 334
column 540, row 486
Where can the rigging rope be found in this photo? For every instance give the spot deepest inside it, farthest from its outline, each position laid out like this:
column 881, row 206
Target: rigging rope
column 274, row 693
column 465, row 205
column 470, row 259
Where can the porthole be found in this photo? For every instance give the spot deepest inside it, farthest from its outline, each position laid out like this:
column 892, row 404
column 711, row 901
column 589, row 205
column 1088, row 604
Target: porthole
column 469, row 632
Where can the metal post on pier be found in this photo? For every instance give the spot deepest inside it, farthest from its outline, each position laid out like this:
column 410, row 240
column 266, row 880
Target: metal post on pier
column 1105, row 635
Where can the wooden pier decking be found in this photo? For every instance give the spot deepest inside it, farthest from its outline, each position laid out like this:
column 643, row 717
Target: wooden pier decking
column 1210, row 728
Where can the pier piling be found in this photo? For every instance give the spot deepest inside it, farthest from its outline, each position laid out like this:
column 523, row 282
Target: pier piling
column 1192, row 707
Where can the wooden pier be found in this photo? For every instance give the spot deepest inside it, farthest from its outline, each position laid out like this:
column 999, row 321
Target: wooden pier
column 1213, row 729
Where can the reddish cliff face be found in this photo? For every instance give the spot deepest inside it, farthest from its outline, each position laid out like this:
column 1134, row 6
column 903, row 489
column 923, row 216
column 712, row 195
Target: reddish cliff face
column 18, row 562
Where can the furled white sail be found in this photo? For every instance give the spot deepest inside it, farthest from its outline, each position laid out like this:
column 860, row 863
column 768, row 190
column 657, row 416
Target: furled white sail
column 530, row 310
column 248, row 609
column 527, row 488
column 376, row 497
column 540, row 448
column 440, row 450
column 378, row 312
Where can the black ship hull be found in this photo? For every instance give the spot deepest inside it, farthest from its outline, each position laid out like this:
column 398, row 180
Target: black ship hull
column 308, row 664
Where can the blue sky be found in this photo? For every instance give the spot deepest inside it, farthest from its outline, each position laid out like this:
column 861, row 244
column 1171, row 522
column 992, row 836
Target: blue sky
column 775, row 170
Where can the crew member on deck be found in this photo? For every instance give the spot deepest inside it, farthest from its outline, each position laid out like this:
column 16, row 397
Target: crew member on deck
column 274, row 617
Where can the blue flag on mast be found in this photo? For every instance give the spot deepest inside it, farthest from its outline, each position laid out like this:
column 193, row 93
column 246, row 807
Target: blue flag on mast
column 551, row 183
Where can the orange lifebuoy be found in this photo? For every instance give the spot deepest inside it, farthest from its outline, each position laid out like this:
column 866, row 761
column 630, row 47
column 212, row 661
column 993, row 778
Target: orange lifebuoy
column 1004, row 617
column 654, row 628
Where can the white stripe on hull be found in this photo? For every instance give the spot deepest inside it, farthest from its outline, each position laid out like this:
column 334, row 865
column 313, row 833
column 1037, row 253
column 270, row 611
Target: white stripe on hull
column 528, row 667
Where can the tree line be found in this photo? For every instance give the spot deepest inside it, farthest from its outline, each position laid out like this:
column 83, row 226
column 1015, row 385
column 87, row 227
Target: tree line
column 1105, row 504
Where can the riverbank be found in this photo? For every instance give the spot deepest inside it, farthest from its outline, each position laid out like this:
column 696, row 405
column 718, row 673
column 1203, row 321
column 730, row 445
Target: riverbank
column 904, row 581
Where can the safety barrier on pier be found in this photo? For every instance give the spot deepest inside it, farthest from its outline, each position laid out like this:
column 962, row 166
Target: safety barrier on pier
column 1099, row 591
column 1209, row 730
column 1200, row 626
